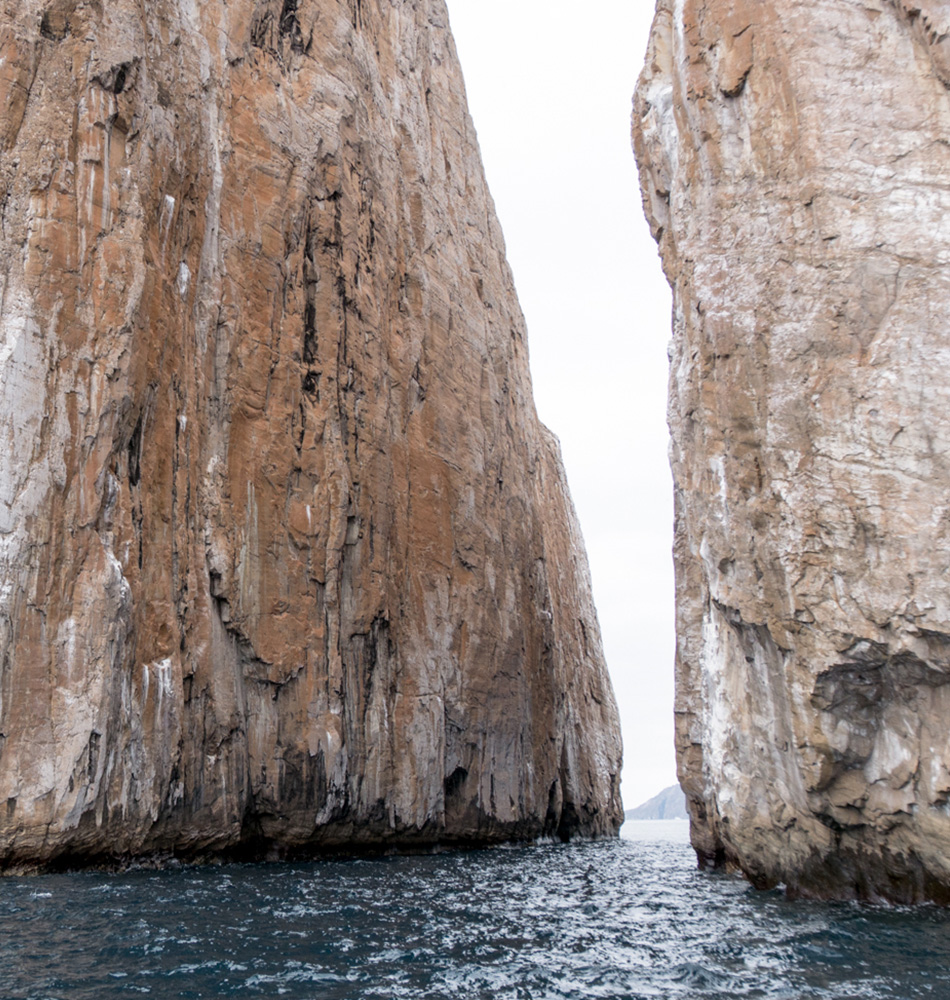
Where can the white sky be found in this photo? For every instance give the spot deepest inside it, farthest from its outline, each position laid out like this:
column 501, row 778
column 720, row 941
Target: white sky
column 549, row 87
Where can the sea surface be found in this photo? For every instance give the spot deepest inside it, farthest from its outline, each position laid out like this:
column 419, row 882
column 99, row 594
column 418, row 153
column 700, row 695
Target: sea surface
column 625, row 919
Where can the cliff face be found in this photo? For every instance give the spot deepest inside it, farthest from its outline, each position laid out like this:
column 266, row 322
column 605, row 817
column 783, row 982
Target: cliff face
column 285, row 555
column 794, row 162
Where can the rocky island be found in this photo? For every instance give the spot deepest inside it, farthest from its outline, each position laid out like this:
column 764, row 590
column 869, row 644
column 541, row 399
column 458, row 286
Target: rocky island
column 794, row 163
column 287, row 562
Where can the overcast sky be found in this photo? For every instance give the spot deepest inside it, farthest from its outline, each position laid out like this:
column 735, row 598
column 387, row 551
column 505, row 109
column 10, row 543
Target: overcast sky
column 549, row 87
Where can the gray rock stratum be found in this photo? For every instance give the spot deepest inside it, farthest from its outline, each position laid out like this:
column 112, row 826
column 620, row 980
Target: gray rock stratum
column 795, row 168
column 286, row 559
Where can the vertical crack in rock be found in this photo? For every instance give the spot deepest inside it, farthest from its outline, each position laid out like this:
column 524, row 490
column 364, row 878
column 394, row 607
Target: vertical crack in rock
column 287, row 562
column 793, row 168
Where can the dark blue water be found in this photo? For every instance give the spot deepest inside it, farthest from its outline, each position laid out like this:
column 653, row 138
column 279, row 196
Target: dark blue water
column 628, row 919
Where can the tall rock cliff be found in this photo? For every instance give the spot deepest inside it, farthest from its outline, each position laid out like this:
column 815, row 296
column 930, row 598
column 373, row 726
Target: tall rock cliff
column 795, row 160
column 285, row 556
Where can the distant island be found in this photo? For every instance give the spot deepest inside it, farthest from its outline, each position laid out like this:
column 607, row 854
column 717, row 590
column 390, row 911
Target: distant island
column 669, row 804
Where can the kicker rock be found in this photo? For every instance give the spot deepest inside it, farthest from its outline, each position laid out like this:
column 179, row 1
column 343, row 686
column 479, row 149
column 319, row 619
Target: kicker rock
column 794, row 162
column 286, row 559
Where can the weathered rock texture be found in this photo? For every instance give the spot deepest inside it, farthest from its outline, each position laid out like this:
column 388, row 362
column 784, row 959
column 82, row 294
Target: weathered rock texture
column 285, row 555
column 794, row 161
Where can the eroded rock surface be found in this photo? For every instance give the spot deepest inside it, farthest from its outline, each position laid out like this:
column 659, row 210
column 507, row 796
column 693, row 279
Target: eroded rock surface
column 285, row 556
column 794, row 162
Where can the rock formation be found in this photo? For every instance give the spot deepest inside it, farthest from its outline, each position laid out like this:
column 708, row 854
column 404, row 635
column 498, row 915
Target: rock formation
column 668, row 804
column 794, row 164
column 286, row 559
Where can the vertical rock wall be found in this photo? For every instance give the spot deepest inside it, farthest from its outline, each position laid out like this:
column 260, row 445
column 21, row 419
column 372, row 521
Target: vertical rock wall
column 794, row 163
column 285, row 555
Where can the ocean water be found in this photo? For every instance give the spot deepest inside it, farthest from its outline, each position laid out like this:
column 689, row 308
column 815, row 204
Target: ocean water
column 626, row 919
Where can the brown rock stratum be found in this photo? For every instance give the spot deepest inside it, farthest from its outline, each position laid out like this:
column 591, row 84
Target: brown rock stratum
column 286, row 559
column 795, row 160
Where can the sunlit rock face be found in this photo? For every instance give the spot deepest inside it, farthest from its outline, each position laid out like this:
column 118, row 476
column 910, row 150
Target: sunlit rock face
column 794, row 161
column 286, row 559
